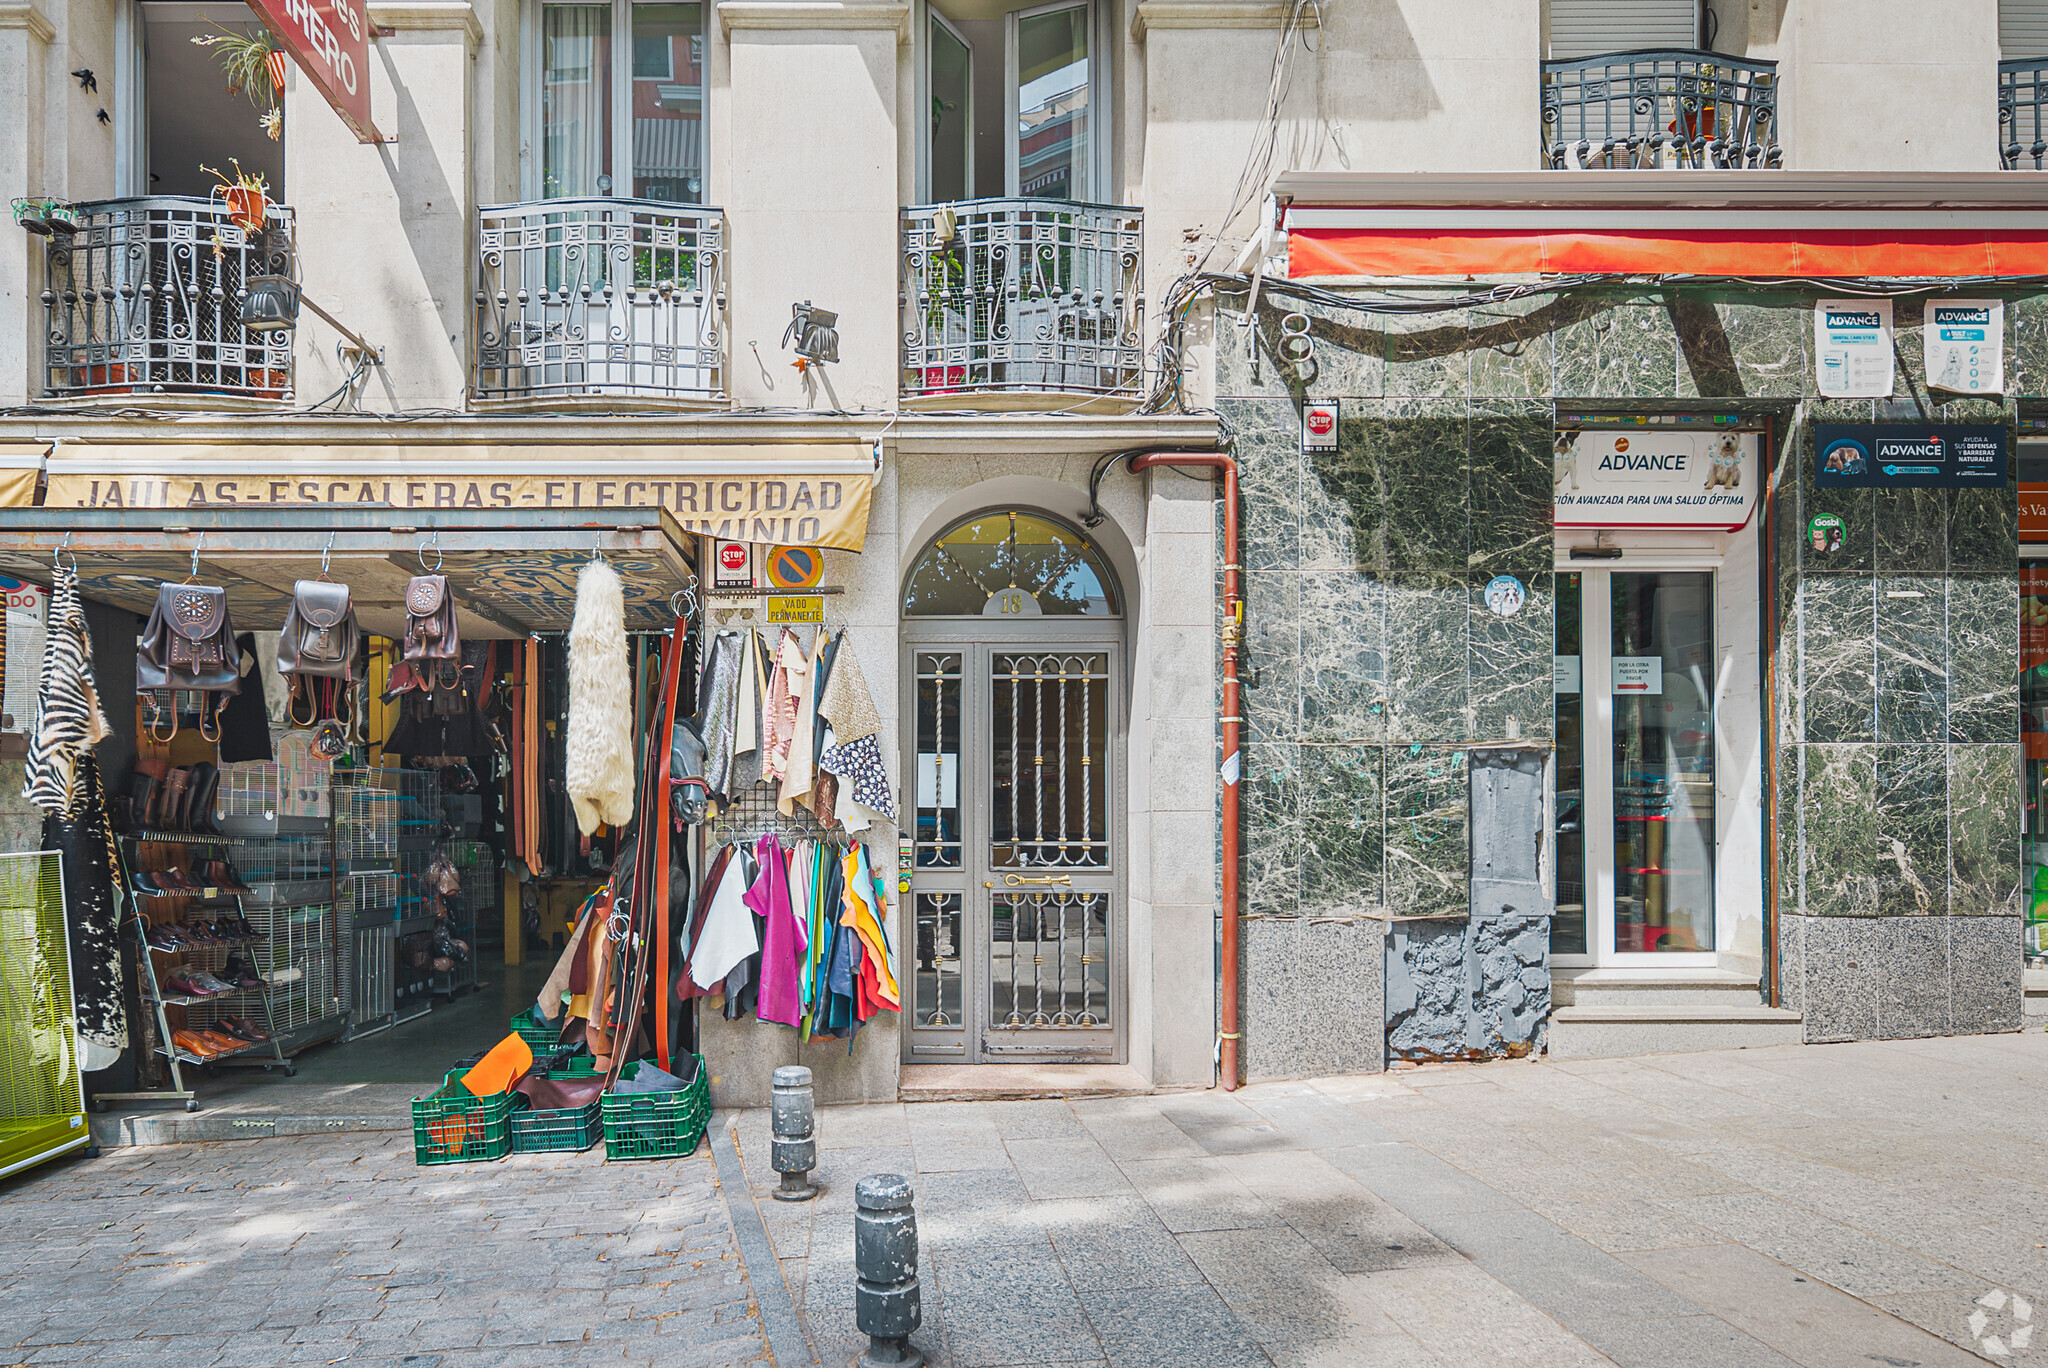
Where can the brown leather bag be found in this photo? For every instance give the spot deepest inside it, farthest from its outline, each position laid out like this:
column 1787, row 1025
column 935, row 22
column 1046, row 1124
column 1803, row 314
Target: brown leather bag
column 320, row 641
column 431, row 637
column 188, row 645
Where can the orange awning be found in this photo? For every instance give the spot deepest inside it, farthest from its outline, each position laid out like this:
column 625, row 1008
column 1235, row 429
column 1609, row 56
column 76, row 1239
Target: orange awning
column 1422, row 251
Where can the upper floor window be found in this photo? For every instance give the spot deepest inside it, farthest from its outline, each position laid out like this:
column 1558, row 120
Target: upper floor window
column 1017, row 101
column 1587, row 28
column 619, row 108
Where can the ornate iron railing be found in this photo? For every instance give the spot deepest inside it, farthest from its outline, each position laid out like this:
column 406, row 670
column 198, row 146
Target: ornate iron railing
column 1023, row 295
column 2022, row 97
column 146, row 298
column 1661, row 107
column 600, row 297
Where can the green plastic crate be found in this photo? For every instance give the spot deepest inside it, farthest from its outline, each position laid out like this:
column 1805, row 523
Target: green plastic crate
column 452, row 1127
column 561, row 1129
column 533, row 1033
column 657, row 1125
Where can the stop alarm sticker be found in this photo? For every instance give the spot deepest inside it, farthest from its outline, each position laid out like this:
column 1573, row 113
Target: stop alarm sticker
column 733, row 565
column 795, row 567
column 1319, row 426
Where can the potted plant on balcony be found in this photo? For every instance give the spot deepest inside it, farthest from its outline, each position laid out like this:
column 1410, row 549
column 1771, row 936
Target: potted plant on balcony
column 40, row 214
column 247, row 196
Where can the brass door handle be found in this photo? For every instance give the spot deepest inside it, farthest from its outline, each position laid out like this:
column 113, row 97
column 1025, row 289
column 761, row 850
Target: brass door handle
column 1016, row 880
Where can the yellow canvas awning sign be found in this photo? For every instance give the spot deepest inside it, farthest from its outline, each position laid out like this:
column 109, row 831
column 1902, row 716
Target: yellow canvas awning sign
column 812, row 495
column 20, row 464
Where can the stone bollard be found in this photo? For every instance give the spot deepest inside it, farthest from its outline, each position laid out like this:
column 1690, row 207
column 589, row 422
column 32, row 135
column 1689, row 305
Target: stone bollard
column 795, row 1151
column 887, row 1304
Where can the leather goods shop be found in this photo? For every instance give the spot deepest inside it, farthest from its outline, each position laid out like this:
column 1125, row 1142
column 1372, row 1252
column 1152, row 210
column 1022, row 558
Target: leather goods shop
column 370, row 768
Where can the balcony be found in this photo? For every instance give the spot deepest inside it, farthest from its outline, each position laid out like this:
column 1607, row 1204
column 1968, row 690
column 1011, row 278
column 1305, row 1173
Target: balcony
column 1023, row 296
column 146, row 298
column 600, row 298
column 2022, row 92
column 1661, row 108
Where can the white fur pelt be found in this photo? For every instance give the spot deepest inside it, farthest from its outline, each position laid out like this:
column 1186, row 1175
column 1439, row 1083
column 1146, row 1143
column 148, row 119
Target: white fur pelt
column 600, row 744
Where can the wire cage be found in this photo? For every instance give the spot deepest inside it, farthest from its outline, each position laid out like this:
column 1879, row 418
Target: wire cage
column 42, row 1097
column 476, row 865
column 290, row 906
column 386, row 821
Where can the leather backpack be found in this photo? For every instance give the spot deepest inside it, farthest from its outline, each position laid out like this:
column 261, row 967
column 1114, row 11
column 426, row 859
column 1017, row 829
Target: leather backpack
column 431, row 637
column 320, row 641
column 189, row 645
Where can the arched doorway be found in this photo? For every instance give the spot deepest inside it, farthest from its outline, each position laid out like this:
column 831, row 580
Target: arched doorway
column 1012, row 685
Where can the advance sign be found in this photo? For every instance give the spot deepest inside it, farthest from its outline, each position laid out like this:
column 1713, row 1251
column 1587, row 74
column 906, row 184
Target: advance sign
column 1644, row 477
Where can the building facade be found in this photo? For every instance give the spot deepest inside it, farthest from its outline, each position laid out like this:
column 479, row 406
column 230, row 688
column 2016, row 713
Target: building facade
column 563, row 302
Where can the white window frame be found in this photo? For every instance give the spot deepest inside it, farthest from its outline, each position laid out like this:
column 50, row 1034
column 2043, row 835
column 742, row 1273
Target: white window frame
column 926, row 17
column 1098, row 96
column 622, row 96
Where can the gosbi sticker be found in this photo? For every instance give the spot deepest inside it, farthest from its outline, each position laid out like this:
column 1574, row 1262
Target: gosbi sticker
column 795, row 567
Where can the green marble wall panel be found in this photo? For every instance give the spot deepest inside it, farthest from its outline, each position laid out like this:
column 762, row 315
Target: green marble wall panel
column 1911, row 530
column 1343, row 679
column 1983, row 658
column 1984, row 821
column 1428, row 858
column 1343, row 510
column 1271, row 664
column 1909, row 860
column 1618, row 349
column 1427, row 694
column 1428, row 355
column 1265, row 436
column 2026, row 357
column 1271, row 803
column 1509, row 661
column 1510, row 482
column 1831, row 659
column 1420, row 450
column 1349, row 353
column 1852, row 506
column 1343, row 821
column 1983, row 531
column 1771, row 341
column 1838, row 830
column 1912, row 658
column 1511, row 348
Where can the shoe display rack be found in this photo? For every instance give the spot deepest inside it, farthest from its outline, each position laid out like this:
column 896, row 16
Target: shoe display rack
column 287, row 857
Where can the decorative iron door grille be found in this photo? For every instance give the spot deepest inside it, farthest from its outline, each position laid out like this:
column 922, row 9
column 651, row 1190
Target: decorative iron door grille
column 1016, row 894
column 1660, row 107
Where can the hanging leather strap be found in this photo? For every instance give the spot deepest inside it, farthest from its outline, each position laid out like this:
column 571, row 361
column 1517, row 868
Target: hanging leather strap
column 656, row 813
column 530, row 776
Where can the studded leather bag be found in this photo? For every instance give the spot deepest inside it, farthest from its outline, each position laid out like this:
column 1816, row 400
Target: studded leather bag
column 188, row 645
column 431, row 636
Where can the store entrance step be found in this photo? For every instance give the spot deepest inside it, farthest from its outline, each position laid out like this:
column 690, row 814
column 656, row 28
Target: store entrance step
column 1614, row 1030
column 259, row 1112
column 1011, row 1082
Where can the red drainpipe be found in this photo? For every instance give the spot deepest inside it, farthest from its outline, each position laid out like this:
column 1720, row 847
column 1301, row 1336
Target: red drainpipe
column 1232, row 633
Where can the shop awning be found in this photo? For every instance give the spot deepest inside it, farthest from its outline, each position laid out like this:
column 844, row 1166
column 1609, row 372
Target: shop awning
column 806, row 495
column 21, row 464
column 1761, row 224
column 512, row 572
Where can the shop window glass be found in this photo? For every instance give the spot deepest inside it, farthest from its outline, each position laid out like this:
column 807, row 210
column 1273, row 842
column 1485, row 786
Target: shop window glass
column 1011, row 564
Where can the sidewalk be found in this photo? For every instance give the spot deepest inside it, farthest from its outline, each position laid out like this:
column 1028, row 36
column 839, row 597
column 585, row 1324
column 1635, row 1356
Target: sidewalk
column 1815, row 1205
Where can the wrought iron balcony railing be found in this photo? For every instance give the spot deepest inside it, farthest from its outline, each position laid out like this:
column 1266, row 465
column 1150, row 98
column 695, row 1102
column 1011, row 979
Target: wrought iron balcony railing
column 1661, row 107
column 600, row 297
column 146, row 298
column 1023, row 295
column 2022, row 97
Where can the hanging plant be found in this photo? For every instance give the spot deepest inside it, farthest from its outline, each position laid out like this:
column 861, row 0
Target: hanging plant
column 247, row 194
column 255, row 68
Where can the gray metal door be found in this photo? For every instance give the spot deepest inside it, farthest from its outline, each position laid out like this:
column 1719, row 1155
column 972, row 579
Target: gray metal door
column 1015, row 819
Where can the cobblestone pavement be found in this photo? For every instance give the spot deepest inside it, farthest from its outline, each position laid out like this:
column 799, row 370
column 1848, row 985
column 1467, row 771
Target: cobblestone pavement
column 338, row 1250
column 1838, row 1206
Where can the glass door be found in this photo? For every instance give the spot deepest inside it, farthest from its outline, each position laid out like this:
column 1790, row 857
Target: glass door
column 1635, row 728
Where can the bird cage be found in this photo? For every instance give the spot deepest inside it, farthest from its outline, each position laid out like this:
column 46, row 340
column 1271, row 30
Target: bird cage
column 42, row 1089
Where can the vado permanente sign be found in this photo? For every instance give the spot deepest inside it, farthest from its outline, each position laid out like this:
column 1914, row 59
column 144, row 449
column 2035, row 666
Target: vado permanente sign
column 331, row 41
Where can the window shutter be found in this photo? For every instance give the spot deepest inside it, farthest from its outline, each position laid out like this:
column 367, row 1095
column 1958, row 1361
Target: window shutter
column 2023, row 28
column 1587, row 28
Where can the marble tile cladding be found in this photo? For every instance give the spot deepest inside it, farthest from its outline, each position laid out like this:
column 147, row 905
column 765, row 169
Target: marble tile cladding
column 1427, row 696
column 1617, row 348
column 1349, row 352
column 1984, row 979
column 1838, row 830
column 1984, row 841
column 1912, row 658
column 1428, row 354
column 1265, row 436
column 1343, row 829
column 1845, row 975
column 1792, row 960
column 1343, row 676
column 1908, row 341
column 1511, row 348
column 1420, row 448
column 1790, row 872
column 1911, row 527
column 1771, row 341
column 1834, row 666
column 1428, row 858
column 1313, row 999
column 1509, row 459
column 1511, row 661
column 1983, row 658
column 1344, row 516
column 1983, row 530
column 1272, row 827
column 1277, row 1015
column 1706, row 356
column 2026, row 360
column 1852, row 506
column 1910, row 856
column 1916, row 973
column 1271, row 666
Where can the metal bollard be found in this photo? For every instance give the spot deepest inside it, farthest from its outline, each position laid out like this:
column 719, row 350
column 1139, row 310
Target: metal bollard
column 887, row 1304
column 795, row 1151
